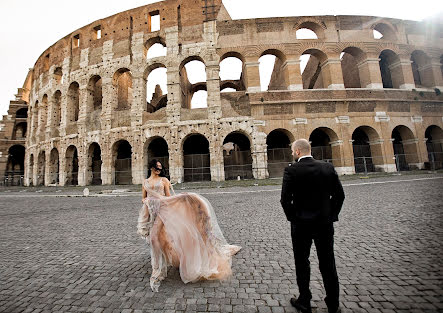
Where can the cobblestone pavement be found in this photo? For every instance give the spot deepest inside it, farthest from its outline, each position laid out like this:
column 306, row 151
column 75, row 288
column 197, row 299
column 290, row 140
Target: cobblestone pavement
column 78, row 254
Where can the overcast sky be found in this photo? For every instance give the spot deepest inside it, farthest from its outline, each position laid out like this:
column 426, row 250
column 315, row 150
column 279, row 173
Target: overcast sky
column 28, row 27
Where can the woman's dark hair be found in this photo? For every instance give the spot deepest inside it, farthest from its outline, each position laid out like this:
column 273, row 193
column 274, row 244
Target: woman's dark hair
column 153, row 164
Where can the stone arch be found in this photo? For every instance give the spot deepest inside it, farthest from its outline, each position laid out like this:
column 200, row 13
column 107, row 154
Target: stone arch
column 73, row 108
column 122, row 162
column 95, row 94
column 186, row 84
column 156, row 147
column 352, row 74
column 56, row 109
column 122, row 83
column 41, row 169
column 155, row 76
column 405, row 148
column 421, row 69
column 58, row 75
column 387, row 30
column 313, row 26
column 196, row 158
column 366, row 146
column 22, row 113
column 325, row 145
column 312, row 75
column 229, row 75
column 278, row 79
column 152, row 43
column 15, row 165
column 19, row 131
column 279, row 151
column 237, row 155
column 43, row 113
column 71, row 166
column 54, row 166
column 390, row 69
column 434, row 146
column 94, row 167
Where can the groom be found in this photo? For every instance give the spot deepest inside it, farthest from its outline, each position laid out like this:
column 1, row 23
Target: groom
column 312, row 197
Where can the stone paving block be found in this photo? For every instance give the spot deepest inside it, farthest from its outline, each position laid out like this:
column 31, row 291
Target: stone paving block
column 84, row 255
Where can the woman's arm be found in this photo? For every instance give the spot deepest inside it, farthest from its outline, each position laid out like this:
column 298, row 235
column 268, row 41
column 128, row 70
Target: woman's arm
column 166, row 186
column 143, row 194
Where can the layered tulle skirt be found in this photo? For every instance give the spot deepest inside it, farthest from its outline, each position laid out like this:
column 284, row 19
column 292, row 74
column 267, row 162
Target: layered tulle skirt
column 183, row 232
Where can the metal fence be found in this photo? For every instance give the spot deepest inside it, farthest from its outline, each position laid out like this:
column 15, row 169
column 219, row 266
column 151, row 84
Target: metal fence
column 197, row 168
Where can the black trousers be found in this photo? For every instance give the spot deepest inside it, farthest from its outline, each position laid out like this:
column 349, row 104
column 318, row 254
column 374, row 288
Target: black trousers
column 323, row 236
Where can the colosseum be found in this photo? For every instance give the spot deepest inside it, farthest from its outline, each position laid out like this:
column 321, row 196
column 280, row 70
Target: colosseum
column 367, row 103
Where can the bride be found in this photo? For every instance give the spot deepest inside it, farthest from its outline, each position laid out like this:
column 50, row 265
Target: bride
column 182, row 231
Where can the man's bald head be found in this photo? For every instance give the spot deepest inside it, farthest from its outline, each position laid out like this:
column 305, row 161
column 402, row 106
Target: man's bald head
column 301, row 147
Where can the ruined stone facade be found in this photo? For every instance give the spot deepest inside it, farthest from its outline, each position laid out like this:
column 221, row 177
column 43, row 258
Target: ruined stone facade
column 359, row 100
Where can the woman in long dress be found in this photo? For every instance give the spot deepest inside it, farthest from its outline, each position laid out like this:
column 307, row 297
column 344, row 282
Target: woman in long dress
column 182, row 231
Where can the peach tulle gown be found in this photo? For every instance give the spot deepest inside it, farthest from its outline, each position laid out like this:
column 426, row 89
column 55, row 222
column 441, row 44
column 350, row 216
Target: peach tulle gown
column 183, row 232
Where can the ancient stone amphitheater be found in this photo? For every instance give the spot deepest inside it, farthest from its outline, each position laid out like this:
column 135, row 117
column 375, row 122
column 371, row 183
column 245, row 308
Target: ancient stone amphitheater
column 366, row 103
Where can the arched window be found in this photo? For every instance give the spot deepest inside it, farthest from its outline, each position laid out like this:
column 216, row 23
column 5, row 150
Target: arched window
column 193, row 72
column 73, row 108
column 273, row 71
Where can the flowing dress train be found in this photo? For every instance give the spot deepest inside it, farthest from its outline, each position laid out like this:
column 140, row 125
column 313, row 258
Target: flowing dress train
column 183, row 232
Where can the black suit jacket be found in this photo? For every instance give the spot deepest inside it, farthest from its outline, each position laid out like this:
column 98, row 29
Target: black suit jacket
column 311, row 192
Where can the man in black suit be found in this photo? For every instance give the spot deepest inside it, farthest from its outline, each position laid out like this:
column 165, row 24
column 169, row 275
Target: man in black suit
column 312, row 197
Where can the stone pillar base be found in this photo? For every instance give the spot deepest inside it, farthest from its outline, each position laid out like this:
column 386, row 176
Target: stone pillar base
column 386, row 168
column 416, row 166
column 345, row 170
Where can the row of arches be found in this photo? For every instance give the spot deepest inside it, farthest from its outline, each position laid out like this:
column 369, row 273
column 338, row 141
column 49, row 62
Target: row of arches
column 238, row 155
column 193, row 81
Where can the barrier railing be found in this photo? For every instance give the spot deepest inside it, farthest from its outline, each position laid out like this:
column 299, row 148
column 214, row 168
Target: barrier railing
column 274, row 168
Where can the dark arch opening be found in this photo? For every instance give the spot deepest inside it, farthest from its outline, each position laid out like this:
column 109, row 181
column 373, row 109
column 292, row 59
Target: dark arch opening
column 279, row 152
column 196, row 159
column 320, row 145
column 21, row 113
column 405, row 150
column 237, row 156
column 15, row 166
column 362, row 151
column 158, row 149
column 94, row 176
column 434, row 145
column 54, row 168
column 122, row 163
column 71, row 166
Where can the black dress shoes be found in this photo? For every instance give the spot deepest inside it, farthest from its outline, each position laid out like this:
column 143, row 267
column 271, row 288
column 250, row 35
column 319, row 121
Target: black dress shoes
column 302, row 306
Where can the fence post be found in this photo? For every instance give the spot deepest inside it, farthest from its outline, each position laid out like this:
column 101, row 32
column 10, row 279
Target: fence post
column 397, row 162
column 432, row 161
column 366, row 169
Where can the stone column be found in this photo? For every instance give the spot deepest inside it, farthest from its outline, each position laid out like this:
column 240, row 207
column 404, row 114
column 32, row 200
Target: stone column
column 82, row 165
column 293, row 74
column 106, row 170
column 422, row 150
column 83, row 107
column 401, row 74
column 62, row 164
column 47, row 167
column 332, row 74
column 137, row 160
column 213, row 88
column 251, row 72
column 64, row 113
column 339, row 158
column 433, row 75
column 369, row 72
column 259, row 155
column 107, row 102
column 216, row 152
column 176, row 171
column 138, row 99
column 386, row 147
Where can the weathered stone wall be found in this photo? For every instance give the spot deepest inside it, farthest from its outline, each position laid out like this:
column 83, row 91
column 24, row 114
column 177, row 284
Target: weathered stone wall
column 118, row 60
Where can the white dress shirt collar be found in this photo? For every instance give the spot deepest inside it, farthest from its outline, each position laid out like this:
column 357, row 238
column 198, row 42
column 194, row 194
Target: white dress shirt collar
column 305, row 156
